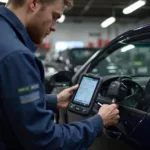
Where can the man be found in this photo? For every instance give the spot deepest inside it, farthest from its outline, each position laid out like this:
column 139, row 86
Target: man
column 24, row 121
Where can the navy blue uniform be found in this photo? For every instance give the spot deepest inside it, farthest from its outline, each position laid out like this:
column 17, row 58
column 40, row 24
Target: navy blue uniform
column 24, row 121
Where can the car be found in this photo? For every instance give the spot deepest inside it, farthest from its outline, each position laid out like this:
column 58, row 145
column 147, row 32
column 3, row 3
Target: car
column 71, row 59
column 130, row 55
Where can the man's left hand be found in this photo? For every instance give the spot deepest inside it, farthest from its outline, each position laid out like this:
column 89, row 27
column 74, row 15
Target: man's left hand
column 64, row 97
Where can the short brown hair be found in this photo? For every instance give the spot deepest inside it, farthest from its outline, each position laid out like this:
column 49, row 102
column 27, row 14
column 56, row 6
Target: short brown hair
column 68, row 3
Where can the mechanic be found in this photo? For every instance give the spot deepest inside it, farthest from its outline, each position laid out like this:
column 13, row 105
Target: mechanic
column 25, row 123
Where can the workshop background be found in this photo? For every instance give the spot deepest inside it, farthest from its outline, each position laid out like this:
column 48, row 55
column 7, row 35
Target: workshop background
column 83, row 27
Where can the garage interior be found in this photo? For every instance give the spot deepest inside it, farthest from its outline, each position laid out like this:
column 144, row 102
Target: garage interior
column 81, row 32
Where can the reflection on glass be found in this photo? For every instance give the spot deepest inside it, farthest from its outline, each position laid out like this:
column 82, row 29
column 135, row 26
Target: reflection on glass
column 127, row 48
column 132, row 59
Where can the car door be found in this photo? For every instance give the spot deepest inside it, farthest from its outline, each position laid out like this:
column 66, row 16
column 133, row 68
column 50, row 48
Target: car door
column 127, row 61
column 141, row 132
column 127, row 55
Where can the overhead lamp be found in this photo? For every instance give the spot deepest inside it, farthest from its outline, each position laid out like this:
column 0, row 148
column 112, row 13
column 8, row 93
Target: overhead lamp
column 61, row 19
column 3, row 1
column 127, row 48
column 108, row 22
column 134, row 6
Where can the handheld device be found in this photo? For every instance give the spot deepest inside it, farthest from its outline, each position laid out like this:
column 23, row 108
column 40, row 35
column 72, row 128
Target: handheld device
column 84, row 97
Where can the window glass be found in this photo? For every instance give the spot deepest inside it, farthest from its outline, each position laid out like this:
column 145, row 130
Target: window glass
column 132, row 59
column 80, row 56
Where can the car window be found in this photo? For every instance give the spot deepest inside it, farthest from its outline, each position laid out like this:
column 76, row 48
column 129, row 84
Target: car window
column 80, row 56
column 131, row 59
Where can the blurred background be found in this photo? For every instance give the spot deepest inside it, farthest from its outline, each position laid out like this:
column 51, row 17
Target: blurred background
column 87, row 27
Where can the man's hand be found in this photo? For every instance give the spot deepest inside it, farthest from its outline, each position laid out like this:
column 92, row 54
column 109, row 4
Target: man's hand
column 64, row 97
column 109, row 114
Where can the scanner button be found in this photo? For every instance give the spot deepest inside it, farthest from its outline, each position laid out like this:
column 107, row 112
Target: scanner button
column 77, row 109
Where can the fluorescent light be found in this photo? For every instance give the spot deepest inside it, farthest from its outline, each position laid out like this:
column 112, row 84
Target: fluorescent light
column 3, row 1
column 134, row 6
column 108, row 22
column 128, row 47
column 61, row 19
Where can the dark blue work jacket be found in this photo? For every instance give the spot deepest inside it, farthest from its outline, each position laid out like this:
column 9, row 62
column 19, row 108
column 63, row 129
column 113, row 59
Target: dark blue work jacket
column 24, row 121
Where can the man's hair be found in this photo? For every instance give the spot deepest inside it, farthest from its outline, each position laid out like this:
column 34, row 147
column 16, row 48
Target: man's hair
column 68, row 3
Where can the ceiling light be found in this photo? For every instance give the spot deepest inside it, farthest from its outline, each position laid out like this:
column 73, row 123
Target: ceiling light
column 128, row 47
column 134, row 6
column 3, row 1
column 108, row 22
column 61, row 19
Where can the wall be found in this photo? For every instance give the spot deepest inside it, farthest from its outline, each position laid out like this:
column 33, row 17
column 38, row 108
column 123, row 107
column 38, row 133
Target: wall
column 80, row 29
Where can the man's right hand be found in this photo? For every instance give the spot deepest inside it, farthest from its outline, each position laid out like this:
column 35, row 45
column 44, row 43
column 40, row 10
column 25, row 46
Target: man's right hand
column 109, row 114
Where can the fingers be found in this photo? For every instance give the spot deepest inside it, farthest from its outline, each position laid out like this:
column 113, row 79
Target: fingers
column 117, row 117
column 117, row 111
column 115, row 106
column 73, row 88
column 109, row 114
column 116, row 120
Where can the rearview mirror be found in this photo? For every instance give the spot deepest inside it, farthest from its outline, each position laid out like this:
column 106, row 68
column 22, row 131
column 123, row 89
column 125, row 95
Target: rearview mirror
column 61, row 79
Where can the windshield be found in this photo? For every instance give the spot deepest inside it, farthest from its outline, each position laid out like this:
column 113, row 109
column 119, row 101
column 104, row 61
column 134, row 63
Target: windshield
column 80, row 56
column 132, row 59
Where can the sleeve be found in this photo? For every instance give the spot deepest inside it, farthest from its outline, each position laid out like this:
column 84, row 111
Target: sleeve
column 23, row 96
column 51, row 102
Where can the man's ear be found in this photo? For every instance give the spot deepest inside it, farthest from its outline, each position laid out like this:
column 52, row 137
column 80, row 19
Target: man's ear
column 33, row 4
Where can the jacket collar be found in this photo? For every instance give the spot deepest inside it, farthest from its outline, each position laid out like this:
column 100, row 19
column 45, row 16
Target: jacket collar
column 18, row 27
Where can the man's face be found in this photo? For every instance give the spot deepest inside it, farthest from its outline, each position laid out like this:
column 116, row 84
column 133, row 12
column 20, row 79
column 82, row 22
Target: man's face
column 43, row 19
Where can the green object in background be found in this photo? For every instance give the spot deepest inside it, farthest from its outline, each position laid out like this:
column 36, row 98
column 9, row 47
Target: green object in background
column 138, row 63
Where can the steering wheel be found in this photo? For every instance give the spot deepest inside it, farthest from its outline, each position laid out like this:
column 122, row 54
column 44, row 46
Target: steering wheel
column 134, row 93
